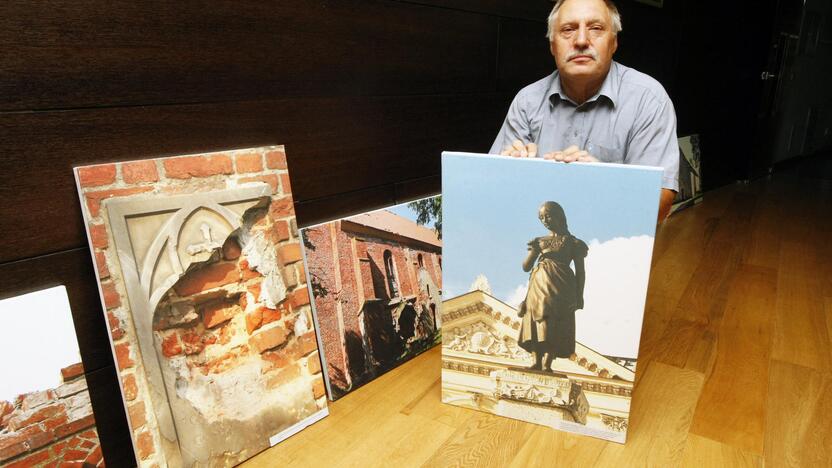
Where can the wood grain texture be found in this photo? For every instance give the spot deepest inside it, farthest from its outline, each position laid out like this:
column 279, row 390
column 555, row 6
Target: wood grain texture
column 742, row 356
column 334, row 147
column 701, row 452
column 158, row 52
column 524, row 54
column 661, row 414
column 535, row 10
column 799, row 408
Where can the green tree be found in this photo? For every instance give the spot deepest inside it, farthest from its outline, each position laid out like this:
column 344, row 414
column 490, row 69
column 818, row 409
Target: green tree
column 427, row 210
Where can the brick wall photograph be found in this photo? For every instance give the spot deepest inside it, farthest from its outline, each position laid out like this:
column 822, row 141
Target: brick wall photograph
column 52, row 427
column 376, row 282
column 201, row 274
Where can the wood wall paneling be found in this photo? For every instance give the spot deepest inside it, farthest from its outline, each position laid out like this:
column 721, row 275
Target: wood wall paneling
column 535, row 10
column 334, row 146
column 60, row 55
column 524, row 54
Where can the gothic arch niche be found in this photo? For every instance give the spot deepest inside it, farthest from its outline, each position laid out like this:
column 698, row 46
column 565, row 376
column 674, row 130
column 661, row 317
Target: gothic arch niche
column 207, row 412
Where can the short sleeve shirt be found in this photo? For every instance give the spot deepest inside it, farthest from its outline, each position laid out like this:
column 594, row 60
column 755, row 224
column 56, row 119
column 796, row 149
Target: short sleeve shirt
column 630, row 120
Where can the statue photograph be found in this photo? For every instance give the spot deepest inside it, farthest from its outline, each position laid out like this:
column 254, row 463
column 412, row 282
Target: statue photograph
column 545, row 274
column 555, row 291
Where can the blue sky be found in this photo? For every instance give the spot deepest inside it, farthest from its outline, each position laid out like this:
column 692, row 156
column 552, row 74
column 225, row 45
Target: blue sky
column 405, row 211
column 490, row 209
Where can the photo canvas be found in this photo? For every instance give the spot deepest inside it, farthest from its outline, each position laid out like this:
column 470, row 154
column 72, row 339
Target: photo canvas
column 546, row 267
column 46, row 416
column 376, row 281
column 199, row 266
column 690, row 174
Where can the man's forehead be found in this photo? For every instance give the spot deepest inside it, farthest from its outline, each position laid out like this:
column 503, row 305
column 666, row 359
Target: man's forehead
column 584, row 10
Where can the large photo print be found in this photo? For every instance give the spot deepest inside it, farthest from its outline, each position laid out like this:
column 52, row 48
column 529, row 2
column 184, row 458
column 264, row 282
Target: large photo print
column 546, row 268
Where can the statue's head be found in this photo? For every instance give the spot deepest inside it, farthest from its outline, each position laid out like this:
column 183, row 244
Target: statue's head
column 553, row 218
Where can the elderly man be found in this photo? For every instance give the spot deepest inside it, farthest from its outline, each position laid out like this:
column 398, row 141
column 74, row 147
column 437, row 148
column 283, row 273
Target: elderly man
column 592, row 108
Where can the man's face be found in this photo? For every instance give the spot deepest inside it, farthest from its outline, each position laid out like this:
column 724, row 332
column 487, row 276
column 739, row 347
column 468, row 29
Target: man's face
column 583, row 42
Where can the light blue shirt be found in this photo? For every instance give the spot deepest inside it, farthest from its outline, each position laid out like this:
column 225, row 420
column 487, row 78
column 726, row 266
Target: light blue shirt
column 631, row 121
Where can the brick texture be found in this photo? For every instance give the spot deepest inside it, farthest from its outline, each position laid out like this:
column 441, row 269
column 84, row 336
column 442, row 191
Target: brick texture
column 197, row 166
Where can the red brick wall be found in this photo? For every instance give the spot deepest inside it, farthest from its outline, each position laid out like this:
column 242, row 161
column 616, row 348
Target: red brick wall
column 229, row 323
column 50, row 427
column 322, row 263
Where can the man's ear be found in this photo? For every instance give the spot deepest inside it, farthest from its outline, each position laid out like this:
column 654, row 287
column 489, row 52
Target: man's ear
column 552, row 48
column 615, row 43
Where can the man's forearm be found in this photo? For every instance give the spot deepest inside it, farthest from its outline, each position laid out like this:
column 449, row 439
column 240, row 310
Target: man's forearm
column 665, row 203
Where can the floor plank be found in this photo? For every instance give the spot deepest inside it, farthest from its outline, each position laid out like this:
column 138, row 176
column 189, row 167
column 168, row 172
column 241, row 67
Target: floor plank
column 798, row 432
column 485, row 442
column 732, row 406
column 800, row 333
column 663, row 405
column 701, row 451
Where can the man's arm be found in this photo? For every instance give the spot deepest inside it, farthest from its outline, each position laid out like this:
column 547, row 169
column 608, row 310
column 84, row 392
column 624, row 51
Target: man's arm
column 665, row 203
column 654, row 143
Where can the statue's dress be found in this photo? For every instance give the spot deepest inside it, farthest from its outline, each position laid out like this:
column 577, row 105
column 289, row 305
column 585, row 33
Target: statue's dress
column 548, row 324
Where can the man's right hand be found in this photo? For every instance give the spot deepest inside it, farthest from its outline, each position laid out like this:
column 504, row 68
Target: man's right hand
column 519, row 150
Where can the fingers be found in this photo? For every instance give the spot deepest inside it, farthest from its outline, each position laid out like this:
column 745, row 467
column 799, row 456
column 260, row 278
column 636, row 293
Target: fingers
column 518, row 150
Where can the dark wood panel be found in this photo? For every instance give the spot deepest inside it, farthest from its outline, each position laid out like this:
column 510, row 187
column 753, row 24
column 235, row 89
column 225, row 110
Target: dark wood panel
column 74, row 270
column 342, row 205
column 536, row 10
column 334, row 146
column 524, row 55
column 62, row 54
column 110, row 418
column 420, row 188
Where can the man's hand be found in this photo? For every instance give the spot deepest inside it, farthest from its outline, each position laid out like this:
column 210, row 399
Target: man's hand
column 571, row 154
column 665, row 203
column 519, row 150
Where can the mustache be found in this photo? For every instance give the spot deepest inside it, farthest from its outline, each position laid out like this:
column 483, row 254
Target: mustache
column 587, row 52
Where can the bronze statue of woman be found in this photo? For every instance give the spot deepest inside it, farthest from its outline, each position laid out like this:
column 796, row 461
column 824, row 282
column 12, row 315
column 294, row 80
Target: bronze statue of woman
column 555, row 290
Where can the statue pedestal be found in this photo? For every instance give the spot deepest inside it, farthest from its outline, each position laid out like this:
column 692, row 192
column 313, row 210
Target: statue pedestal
column 539, row 396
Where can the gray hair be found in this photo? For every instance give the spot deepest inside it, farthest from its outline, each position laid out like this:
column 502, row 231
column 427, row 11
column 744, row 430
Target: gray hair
column 553, row 16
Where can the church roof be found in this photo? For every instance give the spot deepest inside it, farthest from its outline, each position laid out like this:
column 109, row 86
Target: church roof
column 391, row 223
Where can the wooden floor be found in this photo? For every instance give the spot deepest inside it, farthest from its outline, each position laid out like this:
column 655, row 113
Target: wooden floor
column 734, row 368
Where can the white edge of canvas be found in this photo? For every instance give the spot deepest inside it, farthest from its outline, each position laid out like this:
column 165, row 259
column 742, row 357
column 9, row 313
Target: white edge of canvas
column 322, row 352
column 298, row 426
column 546, row 161
column 91, row 251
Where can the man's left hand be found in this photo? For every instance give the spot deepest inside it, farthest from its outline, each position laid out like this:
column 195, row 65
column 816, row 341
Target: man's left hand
column 571, row 154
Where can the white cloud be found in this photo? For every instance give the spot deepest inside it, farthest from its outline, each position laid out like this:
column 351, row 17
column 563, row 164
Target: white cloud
column 517, row 295
column 617, row 273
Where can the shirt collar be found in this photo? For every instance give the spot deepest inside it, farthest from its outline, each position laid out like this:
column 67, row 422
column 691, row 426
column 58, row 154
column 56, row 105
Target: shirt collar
column 609, row 88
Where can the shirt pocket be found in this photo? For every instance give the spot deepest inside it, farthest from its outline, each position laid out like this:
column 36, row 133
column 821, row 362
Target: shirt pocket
column 607, row 154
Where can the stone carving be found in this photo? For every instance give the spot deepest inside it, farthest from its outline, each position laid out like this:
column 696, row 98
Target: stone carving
column 207, row 246
column 544, row 390
column 615, row 423
column 478, row 338
column 158, row 240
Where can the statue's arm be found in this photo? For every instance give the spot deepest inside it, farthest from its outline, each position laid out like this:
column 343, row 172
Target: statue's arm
column 534, row 252
column 580, row 277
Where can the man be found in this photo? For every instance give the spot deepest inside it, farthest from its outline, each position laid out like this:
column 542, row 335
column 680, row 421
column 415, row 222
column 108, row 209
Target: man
column 592, row 108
